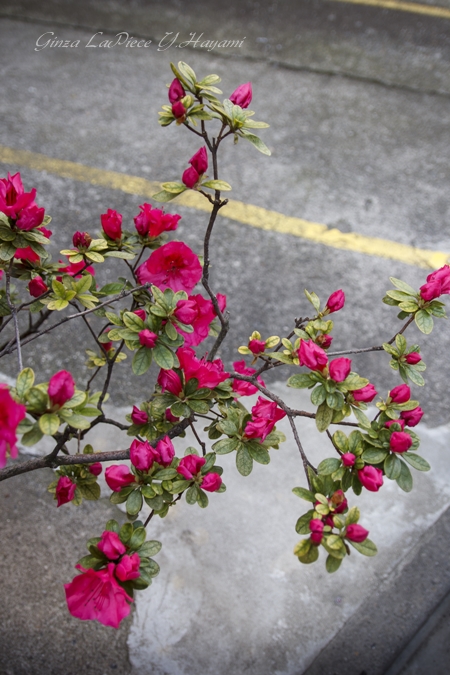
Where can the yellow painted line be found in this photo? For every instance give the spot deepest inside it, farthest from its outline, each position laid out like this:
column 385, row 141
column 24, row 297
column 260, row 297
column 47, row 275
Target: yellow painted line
column 255, row 216
column 415, row 8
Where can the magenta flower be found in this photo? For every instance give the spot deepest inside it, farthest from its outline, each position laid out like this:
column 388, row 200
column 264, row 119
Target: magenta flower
column 110, row 545
column 153, row 222
column 348, row 459
column 401, row 422
column 190, row 465
column 413, row 358
column 199, row 161
column 74, row 269
column 265, row 414
column 242, row 96
column 118, row 477
column 335, row 302
column 199, row 313
column 316, row 526
column 356, row 533
column 257, row 346
column 65, row 490
column 37, row 287
column 176, row 91
column 27, row 253
column 324, row 341
column 371, row 478
column 139, row 416
column 165, row 451
column 173, row 265
column 61, row 388
column 412, row 417
column 438, row 283
column 400, row 394
column 141, row 313
column 95, row 469
column 147, row 338
column 18, row 204
column 211, row 482
column 128, row 567
column 312, row 356
column 208, row 373
column 366, row 394
column 142, row 455
column 11, row 414
column 241, row 387
column 112, row 224
column 170, row 381
column 339, row 369
column 81, row 240
column 190, row 177
column 339, row 501
column 178, row 111
column 400, row 441
column 96, row 595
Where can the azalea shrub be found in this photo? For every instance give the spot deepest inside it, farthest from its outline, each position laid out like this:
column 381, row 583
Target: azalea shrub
column 161, row 311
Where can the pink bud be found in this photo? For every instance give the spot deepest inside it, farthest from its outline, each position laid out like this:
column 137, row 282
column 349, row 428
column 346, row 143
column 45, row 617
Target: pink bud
column 356, row 533
column 242, row 96
column 139, row 416
column 141, row 313
column 200, row 161
column 171, row 418
column 339, row 501
column 312, row 356
column 371, row 478
column 211, row 482
column 400, row 394
column 316, row 526
column 170, row 381
column 37, row 287
column 81, row 240
column 166, row 451
column 142, row 455
column 176, row 91
column 95, row 469
column 118, row 477
column 431, row 290
column 128, row 567
column 190, row 465
column 366, row 394
column 400, row 441
column 335, row 302
column 339, row 369
column 186, row 311
column 65, row 490
column 178, row 110
column 190, row 177
column 110, row 545
column 391, row 422
column 147, row 338
column 257, row 346
column 348, row 459
column 412, row 417
column 324, row 341
column 112, row 224
column 413, row 358
column 61, row 387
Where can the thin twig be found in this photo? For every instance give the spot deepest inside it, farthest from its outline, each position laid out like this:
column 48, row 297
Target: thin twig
column 199, row 441
column 12, row 308
column 305, row 460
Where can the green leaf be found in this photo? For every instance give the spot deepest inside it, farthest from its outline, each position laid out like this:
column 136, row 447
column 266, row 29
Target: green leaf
column 112, row 526
column 324, row 417
column 244, row 461
column 112, row 289
column 225, row 446
column 301, row 381
column 402, row 286
column 328, row 466
column 405, row 480
column 332, row 564
column 202, row 498
column 304, row 494
column 416, row 461
column 217, row 185
column 33, row 436
column 7, row 251
column 174, row 188
column 257, row 142
column 424, row 321
column 302, row 548
column 142, row 361
column 373, row 456
column 89, row 491
column 166, row 474
column 133, row 321
column 340, row 440
column 258, row 453
column 411, row 373
column 163, row 196
column 149, row 549
column 362, row 418
column 352, row 516
column 77, row 399
column 49, row 424
column 134, row 503
column 137, row 538
column 25, row 381
column 392, row 467
column 58, row 305
column 191, row 495
column 163, row 356
column 310, row 557
column 366, row 547
column 318, row 395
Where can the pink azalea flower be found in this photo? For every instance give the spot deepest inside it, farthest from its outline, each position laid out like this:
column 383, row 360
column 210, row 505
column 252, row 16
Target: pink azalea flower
column 37, row 287
column 112, row 224
column 208, row 373
column 18, row 204
column 400, row 394
column 173, row 265
column 190, row 465
column 199, row 313
column 170, row 381
column 348, row 459
column 242, row 96
column 142, row 455
column 190, row 177
column 61, row 388
column 371, row 478
column 265, row 414
column 335, row 302
column 81, row 240
column 128, row 567
column 211, row 482
column 165, row 451
column 96, row 595
column 400, row 441
column 110, row 545
column 312, row 356
column 356, row 533
column 176, row 91
column 200, row 161
column 316, row 526
column 339, row 369
column 366, row 394
column 118, row 477
column 147, row 338
column 139, row 416
column 11, row 414
column 65, row 490
column 412, row 417
column 240, row 386
column 95, row 469
column 153, row 222
column 74, row 269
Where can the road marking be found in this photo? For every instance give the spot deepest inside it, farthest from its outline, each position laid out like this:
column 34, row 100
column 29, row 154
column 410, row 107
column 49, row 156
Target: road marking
column 415, row 8
column 255, row 216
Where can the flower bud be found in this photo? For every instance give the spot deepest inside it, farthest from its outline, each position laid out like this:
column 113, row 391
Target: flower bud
column 176, row 91
column 37, row 287
column 339, row 369
column 112, row 224
column 81, row 240
column 141, row 313
column 371, row 478
column 61, row 388
column 412, row 417
column 400, row 394
column 190, row 177
column 312, row 356
column 324, row 341
column 356, row 533
column 170, row 381
column 128, row 567
column 316, row 526
column 335, row 302
column 95, row 469
column 400, row 422
column 165, row 450
column 211, row 482
column 200, row 161
column 242, row 96
column 171, row 418
column 110, row 545
column 142, row 455
column 257, row 346
column 178, row 110
column 139, row 416
column 118, row 477
column 400, row 441
column 147, row 338
column 339, row 501
column 366, row 394
column 65, row 490
column 413, row 358
column 431, row 290
column 348, row 459
column 190, row 465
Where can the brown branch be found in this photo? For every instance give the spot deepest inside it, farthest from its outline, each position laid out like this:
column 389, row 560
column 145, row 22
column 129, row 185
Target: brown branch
column 305, row 460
